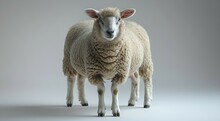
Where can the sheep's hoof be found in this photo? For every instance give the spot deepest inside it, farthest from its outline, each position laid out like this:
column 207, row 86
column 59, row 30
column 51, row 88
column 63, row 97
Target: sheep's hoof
column 146, row 106
column 129, row 104
column 85, row 104
column 101, row 114
column 69, row 105
column 116, row 114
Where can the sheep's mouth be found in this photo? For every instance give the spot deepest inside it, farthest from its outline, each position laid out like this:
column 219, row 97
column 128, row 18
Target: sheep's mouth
column 110, row 36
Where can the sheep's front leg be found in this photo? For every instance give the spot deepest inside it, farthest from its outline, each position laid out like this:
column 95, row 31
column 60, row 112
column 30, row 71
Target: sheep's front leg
column 115, row 104
column 101, row 105
column 70, row 84
column 147, row 92
column 135, row 80
column 81, row 90
column 118, row 79
column 99, row 82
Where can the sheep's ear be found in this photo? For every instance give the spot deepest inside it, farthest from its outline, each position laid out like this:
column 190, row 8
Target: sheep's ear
column 127, row 13
column 92, row 12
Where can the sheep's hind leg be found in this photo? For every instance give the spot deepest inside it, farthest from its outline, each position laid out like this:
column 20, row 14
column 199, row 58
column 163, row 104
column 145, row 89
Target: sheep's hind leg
column 81, row 90
column 147, row 92
column 70, row 85
column 135, row 83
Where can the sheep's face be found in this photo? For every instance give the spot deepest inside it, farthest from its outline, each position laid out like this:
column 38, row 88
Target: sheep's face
column 109, row 27
column 109, row 20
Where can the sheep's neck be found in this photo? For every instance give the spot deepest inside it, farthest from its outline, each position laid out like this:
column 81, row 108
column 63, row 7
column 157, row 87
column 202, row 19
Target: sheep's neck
column 106, row 49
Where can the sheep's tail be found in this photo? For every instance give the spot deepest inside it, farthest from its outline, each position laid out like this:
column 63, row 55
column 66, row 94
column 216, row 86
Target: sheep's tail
column 146, row 70
column 68, row 70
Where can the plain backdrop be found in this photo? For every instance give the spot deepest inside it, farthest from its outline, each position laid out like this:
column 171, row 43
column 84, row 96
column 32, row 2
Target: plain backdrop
column 184, row 37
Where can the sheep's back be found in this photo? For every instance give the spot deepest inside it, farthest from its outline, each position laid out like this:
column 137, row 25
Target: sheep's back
column 139, row 32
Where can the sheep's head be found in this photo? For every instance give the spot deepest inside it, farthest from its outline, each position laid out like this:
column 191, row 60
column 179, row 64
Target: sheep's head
column 109, row 20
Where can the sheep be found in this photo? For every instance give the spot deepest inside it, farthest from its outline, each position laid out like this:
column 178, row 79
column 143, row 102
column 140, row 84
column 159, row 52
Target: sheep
column 108, row 47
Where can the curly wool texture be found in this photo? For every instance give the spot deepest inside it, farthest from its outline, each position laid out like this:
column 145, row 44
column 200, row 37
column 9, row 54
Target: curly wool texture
column 87, row 53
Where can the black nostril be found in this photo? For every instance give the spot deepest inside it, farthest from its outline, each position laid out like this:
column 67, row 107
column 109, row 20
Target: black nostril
column 110, row 32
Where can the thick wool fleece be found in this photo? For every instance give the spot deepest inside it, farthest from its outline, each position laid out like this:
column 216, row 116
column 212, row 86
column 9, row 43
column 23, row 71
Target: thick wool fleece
column 88, row 54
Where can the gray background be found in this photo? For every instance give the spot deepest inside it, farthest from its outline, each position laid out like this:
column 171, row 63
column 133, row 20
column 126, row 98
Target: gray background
column 184, row 38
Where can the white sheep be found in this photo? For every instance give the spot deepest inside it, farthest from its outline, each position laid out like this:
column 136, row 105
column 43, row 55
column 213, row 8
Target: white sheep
column 108, row 47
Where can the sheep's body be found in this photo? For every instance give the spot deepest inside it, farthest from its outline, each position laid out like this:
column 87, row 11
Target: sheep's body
column 78, row 46
column 87, row 55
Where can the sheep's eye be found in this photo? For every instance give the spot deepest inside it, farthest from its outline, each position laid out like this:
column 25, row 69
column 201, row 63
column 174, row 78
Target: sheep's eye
column 118, row 20
column 101, row 22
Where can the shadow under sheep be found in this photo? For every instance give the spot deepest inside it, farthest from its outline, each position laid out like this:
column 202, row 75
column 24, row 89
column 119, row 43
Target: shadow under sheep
column 54, row 111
